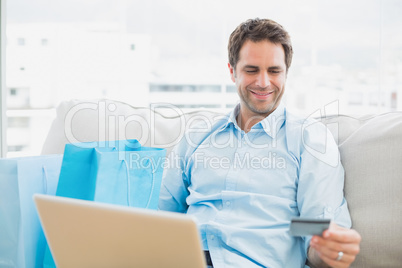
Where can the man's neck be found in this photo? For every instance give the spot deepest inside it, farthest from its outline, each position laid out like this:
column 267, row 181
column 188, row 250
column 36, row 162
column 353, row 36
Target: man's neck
column 246, row 122
column 246, row 119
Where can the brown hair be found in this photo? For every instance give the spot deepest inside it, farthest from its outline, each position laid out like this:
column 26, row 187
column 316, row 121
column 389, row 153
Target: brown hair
column 258, row 30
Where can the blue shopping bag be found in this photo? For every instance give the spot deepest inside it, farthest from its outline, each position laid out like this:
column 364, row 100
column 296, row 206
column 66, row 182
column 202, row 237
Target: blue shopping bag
column 22, row 243
column 116, row 172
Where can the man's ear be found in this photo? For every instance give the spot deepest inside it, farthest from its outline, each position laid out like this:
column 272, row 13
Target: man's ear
column 232, row 73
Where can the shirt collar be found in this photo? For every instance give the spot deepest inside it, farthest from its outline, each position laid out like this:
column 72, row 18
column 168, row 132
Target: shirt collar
column 231, row 118
column 271, row 124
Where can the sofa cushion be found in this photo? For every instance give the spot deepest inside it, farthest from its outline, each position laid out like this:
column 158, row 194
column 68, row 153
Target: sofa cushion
column 371, row 152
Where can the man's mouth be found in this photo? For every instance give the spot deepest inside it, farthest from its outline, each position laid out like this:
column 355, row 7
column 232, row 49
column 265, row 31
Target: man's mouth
column 261, row 95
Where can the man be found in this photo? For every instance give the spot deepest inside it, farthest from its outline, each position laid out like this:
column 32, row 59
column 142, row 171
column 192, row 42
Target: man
column 256, row 169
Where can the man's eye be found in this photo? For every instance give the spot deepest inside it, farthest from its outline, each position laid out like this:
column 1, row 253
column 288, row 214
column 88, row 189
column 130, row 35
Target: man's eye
column 251, row 71
column 275, row 71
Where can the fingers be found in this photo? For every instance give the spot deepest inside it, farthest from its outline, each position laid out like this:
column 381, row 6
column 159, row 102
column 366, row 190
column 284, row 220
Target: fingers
column 334, row 246
column 329, row 253
column 344, row 262
column 342, row 235
column 337, row 239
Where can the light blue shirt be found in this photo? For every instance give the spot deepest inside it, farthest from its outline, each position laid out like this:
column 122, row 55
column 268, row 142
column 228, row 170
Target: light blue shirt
column 244, row 188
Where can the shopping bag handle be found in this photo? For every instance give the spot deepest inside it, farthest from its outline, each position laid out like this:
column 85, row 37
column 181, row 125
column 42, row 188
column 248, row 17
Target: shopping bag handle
column 129, row 184
column 44, row 178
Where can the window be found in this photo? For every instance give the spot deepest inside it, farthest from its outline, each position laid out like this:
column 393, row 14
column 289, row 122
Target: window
column 44, row 42
column 21, row 41
column 356, row 98
column 175, row 52
column 18, row 98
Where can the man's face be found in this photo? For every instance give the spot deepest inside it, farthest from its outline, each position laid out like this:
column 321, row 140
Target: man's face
column 260, row 77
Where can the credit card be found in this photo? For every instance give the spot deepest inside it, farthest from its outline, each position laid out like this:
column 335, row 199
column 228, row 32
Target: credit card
column 308, row 226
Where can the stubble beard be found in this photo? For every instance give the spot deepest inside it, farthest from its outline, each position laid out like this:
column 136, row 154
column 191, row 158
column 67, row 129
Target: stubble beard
column 265, row 110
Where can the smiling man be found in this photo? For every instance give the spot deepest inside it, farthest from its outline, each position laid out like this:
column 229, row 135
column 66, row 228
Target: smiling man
column 243, row 207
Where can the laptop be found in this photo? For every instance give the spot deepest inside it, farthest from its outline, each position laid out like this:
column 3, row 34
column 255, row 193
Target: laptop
column 89, row 234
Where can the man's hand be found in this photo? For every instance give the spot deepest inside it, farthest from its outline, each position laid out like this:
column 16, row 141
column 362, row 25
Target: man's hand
column 337, row 247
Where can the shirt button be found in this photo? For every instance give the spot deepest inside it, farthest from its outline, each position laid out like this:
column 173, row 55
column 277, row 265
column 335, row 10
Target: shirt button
column 212, row 237
column 227, row 203
column 329, row 209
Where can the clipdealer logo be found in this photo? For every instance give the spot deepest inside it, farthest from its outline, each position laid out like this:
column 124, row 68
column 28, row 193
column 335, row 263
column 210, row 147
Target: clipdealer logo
column 113, row 126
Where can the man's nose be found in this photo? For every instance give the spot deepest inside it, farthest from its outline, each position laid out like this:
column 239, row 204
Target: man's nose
column 263, row 80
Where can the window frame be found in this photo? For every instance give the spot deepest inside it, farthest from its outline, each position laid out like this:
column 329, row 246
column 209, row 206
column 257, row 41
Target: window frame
column 3, row 107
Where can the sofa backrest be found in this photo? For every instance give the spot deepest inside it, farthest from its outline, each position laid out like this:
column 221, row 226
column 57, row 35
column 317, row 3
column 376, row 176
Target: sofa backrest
column 99, row 120
column 371, row 153
column 370, row 147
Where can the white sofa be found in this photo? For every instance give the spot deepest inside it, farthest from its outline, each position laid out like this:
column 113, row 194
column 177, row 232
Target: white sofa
column 370, row 147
